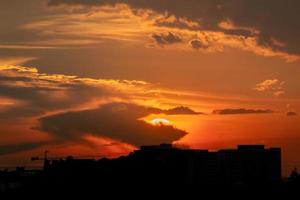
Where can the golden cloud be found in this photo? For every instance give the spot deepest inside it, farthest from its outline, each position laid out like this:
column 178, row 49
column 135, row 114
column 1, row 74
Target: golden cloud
column 274, row 86
column 220, row 25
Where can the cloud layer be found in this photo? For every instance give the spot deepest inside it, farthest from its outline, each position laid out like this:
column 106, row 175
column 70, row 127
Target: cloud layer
column 272, row 24
column 67, row 108
column 29, row 93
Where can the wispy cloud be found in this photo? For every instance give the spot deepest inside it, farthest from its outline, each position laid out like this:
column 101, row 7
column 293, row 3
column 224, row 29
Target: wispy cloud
column 33, row 94
column 13, row 61
column 275, row 86
column 40, row 93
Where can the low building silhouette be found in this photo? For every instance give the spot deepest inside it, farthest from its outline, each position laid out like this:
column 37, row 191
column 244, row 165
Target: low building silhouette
column 248, row 164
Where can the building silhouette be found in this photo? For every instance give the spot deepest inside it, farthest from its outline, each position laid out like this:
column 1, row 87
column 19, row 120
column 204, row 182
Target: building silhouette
column 165, row 164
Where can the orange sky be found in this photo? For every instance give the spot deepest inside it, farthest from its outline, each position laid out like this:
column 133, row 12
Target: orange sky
column 73, row 74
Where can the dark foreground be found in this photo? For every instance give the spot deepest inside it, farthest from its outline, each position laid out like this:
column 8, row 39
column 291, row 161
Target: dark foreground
column 246, row 171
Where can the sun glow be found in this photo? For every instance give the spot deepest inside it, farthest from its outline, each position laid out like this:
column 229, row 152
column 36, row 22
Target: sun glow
column 160, row 121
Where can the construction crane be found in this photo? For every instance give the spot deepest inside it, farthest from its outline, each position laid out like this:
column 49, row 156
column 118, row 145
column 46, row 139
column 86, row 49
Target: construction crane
column 45, row 159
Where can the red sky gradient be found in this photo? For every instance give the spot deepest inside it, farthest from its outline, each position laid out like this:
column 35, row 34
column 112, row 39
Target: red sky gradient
column 86, row 78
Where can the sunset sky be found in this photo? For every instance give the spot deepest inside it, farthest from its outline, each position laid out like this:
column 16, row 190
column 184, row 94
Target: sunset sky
column 102, row 77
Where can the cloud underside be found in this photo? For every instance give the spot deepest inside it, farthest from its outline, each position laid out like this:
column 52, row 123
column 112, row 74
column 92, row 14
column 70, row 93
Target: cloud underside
column 241, row 111
column 267, row 28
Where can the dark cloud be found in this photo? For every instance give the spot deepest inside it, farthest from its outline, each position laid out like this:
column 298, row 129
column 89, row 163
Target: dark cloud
column 166, row 38
column 181, row 111
column 17, row 148
column 241, row 111
column 277, row 21
column 291, row 114
column 118, row 121
column 198, row 44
